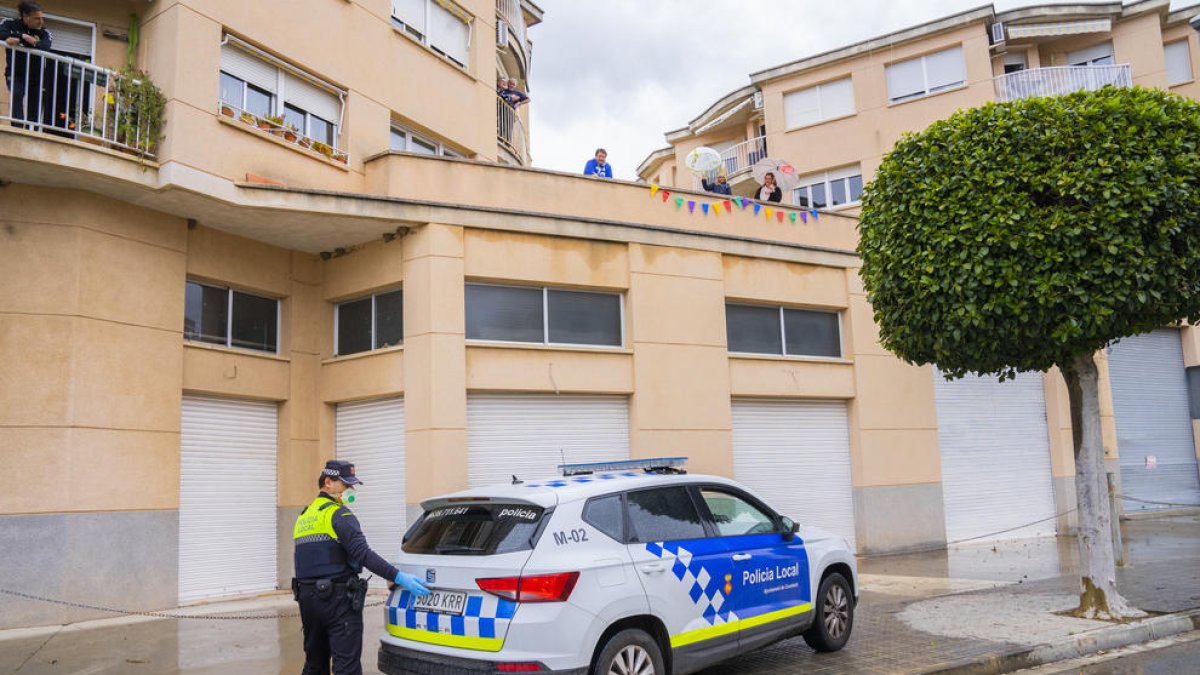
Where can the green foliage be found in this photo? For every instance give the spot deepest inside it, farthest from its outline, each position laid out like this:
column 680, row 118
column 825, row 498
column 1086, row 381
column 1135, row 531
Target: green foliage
column 1018, row 235
column 138, row 110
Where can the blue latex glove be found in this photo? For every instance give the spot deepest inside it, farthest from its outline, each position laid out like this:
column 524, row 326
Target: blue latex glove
column 411, row 583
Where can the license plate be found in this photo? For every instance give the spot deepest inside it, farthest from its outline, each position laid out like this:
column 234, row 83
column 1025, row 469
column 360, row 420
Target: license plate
column 442, row 602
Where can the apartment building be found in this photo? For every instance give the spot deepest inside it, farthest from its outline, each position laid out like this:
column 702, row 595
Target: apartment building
column 834, row 116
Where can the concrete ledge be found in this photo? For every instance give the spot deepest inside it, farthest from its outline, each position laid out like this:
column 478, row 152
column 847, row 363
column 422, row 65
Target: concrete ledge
column 1084, row 644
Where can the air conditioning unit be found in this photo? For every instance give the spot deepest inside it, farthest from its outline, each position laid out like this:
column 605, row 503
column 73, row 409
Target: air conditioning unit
column 501, row 34
column 998, row 32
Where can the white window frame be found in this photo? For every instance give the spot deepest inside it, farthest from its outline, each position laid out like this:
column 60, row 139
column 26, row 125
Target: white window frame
column 337, row 317
column 229, row 290
column 783, row 332
column 822, row 116
column 421, row 33
column 828, row 178
column 1187, row 52
column 927, row 91
column 409, row 135
column 279, row 96
column 620, row 295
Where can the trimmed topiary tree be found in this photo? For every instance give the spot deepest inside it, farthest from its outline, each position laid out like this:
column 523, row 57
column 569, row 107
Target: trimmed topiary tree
column 1024, row 235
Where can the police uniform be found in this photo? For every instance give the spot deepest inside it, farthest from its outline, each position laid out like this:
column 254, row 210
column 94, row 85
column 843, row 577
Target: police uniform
column 27, row 75
column 331, row 550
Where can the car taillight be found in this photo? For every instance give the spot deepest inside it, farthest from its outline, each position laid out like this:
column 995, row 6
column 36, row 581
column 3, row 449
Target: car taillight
column 541, row 588
column 519, row 667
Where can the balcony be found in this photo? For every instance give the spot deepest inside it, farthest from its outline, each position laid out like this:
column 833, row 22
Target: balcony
column 742, row 156
column 511, row 135
column 510, row 12
column 1060, row 80
column 81, row 101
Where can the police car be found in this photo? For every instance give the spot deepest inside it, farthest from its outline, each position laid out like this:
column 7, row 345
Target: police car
column 621, row 568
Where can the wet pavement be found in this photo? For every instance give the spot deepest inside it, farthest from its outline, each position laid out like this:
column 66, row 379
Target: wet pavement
column 918, row 613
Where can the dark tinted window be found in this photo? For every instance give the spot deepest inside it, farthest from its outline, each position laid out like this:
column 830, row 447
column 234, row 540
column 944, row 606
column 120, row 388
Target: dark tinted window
column 856, row 188
column 389, row 319
column 584, row 318
column 231, row 90
column 818, row 196
column 812, row 333
column 258, row 101
column 354, row 326
column 753, row 330
column 295, row 117
column 664, row 514
column 475, row 530
column 320, row 130
column 206, row 313
column 604, row 514
column 255, row 322
column 504, row 313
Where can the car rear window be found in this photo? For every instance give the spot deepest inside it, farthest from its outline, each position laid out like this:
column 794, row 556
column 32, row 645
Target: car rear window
column 475, row 529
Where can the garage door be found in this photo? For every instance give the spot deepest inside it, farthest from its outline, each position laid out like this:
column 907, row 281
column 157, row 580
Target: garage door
column 795, row 455
column 227, row 535
column 529, row 435
column 995, row 457
column 370, row 434
column 1154, row 426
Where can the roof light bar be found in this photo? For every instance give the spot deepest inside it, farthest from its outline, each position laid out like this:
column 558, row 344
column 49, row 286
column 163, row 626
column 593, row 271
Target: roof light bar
column 650, row 464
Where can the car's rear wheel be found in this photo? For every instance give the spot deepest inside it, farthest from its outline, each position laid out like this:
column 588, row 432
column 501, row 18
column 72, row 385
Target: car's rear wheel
column 630, row 652
column 835, row 615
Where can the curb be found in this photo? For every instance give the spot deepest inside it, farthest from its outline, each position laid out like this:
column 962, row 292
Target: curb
column 1102, row 639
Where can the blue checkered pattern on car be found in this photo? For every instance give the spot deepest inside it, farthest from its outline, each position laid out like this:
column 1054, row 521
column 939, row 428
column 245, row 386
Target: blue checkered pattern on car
column 564, row 482
column 485, row 616
column 704, row 588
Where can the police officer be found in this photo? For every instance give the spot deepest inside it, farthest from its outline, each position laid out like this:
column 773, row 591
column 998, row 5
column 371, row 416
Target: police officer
column 330, row 552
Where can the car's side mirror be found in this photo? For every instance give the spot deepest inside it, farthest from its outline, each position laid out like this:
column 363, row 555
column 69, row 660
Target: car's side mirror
column 787, row 527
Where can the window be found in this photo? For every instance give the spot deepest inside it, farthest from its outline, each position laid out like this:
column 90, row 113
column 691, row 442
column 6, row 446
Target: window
column 822, row 102
column 734, row 516
column 840, row 187
column 491, row 529
column 1015, row 62
column 664, row 514
column 926, row 75
column 369, row 323
column 543, row 315
column 1179, row 62
column 404, row 140
column 441, row 24
column 605, row 514
column 267, row 88
column 231, row 318
column 1097, row 55
column 755, row 329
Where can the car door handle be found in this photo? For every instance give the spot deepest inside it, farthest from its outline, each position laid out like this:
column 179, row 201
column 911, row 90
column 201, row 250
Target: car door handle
column 653, row 568
column 739, row 557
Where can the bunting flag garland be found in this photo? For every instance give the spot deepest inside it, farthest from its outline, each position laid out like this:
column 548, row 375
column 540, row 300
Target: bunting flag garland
column 728, row 207
column 804, row 216
column 704, row 207
column 779, row 216
column 653, row 189
column 717, row 208
column 792, row 216
column 691, row 206
column 757, row 208
column 678, row 202
column 665, row 195
column 768, row 213
column 816, row 215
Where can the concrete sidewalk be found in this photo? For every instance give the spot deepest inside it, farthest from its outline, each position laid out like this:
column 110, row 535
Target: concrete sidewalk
column 973, row 609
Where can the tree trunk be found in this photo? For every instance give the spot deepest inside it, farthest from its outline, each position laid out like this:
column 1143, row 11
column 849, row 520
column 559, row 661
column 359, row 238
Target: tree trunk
column 1098, row 596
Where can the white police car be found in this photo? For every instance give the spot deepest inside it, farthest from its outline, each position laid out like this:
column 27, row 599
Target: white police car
column 624, row 568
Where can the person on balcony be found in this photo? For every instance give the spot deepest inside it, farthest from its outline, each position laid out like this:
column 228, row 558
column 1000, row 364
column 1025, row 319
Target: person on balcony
column 23, row 73
column 599, row 166
column 770, row 192
column 720, row 186
column 511, row 95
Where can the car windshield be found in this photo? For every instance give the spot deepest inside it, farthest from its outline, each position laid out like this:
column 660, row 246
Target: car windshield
column 475, row 529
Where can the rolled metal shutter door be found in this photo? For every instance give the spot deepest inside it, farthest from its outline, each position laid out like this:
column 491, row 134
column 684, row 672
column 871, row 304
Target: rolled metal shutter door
column 1154, row 425
column 995, row 457
column 227, row 498
column 529, row 435
column 370, row 434
column 795, row 456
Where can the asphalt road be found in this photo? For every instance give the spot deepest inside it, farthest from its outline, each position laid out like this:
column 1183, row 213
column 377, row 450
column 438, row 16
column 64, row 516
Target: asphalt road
column 1173, row 659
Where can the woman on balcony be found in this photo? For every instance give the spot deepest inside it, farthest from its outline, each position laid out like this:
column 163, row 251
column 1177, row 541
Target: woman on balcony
column 770, row 192
column 24, row 72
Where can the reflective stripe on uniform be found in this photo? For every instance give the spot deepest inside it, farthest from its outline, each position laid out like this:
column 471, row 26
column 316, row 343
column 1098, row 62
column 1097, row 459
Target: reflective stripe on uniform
column 316, row 519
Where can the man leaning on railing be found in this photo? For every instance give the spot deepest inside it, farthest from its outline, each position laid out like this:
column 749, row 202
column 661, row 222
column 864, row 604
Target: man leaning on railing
column 24, row 72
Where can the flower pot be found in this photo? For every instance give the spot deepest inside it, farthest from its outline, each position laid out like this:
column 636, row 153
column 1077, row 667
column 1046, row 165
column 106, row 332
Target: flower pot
column 289, row 136
column 226, row 111
column 264, row 125
column 248, row 119
column 304, row 141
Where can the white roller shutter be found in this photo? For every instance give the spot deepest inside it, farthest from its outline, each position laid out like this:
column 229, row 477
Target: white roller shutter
column 227, row 503
column 314, row 99
column 241, row 64
column 995, row 451
column 1154, row 426
column 370, row 434
column 528, row 435
column 67, row 37
column 795, row 455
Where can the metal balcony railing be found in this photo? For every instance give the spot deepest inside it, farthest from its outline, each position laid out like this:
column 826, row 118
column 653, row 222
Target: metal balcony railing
column 743, row 155
column 72, row 99
column 1059, row 80
column 510, row 131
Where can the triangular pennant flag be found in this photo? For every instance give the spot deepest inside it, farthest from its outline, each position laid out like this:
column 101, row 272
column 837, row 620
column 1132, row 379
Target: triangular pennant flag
column 792, row 216
column 665, row 195
column 779, row 216
column 678, row 202
column 757, row 207
column 717, row 207
column 804, row 216
column 653, row 189
column 768, row 213
column 728, row 206
column 704, row 208
column 816, row 216
column 691, row 206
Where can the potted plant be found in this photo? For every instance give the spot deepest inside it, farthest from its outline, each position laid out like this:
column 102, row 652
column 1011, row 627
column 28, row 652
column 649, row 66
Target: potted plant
column 277, row 127
column 323, row 148
column 264, row 123
column 139, row 122
column 226, row 110
column 248, row 118
column 304, row 141
column 341, row 157
column 289, row 134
